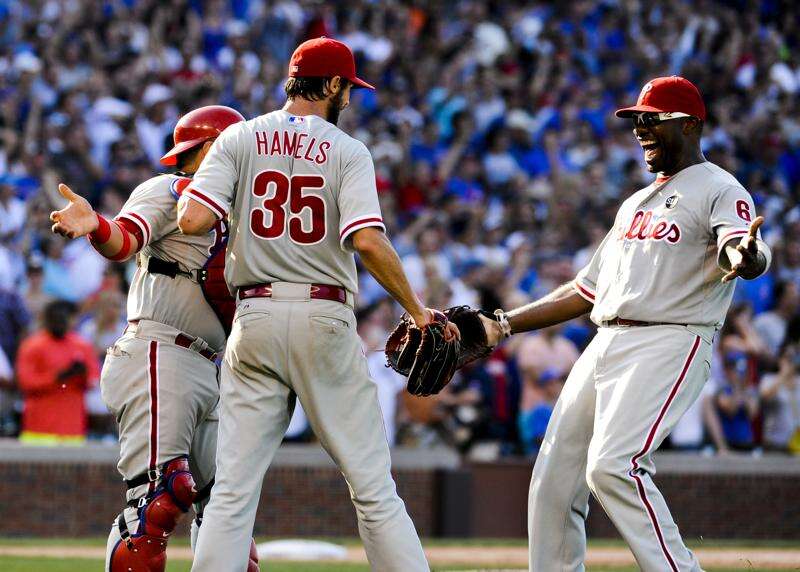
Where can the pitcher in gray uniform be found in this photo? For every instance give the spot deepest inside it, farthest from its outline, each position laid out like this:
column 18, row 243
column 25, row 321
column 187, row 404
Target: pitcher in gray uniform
column 658, row 287
column 301, row 198
column 160, row 377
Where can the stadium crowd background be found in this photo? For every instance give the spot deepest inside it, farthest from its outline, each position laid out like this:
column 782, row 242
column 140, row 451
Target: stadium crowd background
column 499, row 164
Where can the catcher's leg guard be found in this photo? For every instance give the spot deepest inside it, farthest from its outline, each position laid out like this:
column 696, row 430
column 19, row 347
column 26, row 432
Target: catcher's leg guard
column 144, row 550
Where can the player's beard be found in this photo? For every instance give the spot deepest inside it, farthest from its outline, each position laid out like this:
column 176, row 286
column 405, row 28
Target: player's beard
column 334, row 108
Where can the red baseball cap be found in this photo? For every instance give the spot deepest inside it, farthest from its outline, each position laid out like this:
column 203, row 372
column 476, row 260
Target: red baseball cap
column 668, row 94
column 325, row 57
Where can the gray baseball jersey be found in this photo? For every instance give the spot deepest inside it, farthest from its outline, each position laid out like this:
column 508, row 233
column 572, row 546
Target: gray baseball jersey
column 179, row 301
column 661, row 260
column 164, row 396
column 295, row 189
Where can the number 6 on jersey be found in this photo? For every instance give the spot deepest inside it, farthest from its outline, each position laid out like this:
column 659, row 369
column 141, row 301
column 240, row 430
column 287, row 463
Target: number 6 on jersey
column 288, row 190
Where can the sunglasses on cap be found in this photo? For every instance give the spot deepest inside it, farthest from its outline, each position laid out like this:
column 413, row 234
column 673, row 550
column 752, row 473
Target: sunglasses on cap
column 649, row 119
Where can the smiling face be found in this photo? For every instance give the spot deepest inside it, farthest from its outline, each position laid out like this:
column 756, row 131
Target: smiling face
column 666, row 143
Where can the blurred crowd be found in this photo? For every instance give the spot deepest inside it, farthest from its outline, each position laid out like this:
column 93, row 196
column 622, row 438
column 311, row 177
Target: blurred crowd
column 499, row 164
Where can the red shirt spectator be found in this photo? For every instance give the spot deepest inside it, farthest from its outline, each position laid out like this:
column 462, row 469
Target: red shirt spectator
column 54, row 368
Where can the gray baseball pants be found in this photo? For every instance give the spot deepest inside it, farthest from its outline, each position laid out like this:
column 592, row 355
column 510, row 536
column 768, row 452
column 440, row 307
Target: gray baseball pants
column 620, row 401
column 164, row 397
column 292, row 345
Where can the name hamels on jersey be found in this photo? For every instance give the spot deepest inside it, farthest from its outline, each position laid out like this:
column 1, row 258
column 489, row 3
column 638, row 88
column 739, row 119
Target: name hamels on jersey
column 297, row 187
column 292, row 144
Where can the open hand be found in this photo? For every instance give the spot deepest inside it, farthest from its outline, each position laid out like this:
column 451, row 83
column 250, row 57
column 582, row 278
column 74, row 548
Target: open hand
column 749, row 264
column 77, row 218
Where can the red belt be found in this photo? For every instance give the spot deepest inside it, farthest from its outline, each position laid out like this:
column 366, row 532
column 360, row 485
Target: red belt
column 639, row 323
column 186, row 342
column 318, row 292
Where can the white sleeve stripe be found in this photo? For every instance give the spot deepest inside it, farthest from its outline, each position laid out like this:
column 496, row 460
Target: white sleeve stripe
column 205, row 200
column 139, row 221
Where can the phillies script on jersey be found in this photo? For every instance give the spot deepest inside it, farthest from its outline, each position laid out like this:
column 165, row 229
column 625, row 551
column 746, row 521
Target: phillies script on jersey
column 643, row 227
column 292, row 144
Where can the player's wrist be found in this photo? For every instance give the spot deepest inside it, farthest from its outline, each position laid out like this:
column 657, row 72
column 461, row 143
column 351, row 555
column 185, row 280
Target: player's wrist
column 420, row 316
column 101, row 232
column 756, row 268
column 503, row 323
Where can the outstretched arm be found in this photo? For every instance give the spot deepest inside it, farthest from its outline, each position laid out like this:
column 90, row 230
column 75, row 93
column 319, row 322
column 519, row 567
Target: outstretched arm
column 110, row 238
column 380, row 259
column 562, row 304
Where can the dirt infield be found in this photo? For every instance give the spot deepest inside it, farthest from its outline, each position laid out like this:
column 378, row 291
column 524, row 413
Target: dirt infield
column 511, row 556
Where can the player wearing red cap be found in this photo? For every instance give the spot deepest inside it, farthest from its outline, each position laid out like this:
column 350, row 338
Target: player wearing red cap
column 300, row 194
column 160, row 377
column 658, row 288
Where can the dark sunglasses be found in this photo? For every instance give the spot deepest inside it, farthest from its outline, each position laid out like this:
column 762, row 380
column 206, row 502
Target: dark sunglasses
column 652, row 119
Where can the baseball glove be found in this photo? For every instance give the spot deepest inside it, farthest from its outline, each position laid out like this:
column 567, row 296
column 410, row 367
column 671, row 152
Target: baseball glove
column 426, row 358
column 474, row 343
column 423, row 355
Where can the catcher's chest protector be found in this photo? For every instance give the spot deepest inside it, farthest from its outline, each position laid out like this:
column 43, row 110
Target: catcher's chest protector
column 213, row 284
column 214, row 287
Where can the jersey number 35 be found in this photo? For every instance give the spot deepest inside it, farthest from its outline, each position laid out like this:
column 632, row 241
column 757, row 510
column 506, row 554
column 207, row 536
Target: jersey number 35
column 272, row 219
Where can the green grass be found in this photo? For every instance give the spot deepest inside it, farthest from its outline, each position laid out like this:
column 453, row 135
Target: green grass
column 14, row 564
column 24, row 564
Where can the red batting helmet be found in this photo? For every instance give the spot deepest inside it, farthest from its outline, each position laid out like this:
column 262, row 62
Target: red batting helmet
column 198, row 126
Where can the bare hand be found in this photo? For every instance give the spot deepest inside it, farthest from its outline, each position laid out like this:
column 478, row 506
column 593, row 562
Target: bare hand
column 451, row 331
column 749, row 265
column 77, row 218
column 493, row 332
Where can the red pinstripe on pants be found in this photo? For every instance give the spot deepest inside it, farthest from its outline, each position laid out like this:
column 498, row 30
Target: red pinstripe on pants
column 152, row 366
column 647, row 444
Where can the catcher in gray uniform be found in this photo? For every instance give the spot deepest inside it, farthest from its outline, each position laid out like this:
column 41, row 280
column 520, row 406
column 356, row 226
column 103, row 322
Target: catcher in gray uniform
column 160, row 377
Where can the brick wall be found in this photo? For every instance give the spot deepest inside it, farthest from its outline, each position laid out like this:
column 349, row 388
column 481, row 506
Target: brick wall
column 76, row 500
column 79, row 496
column 738, row 502
column 724, row 506
column 300, row 501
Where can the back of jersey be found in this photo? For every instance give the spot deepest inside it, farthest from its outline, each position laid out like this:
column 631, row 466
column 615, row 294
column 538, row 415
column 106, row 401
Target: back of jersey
column 295, row 188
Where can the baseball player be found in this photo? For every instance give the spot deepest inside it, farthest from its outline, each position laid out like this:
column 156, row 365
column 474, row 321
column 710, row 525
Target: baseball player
column 658, row 287
column 300, row 196
column 160, row 377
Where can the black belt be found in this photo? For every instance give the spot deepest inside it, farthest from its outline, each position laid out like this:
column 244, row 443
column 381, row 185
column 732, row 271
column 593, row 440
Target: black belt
column 171, row 269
